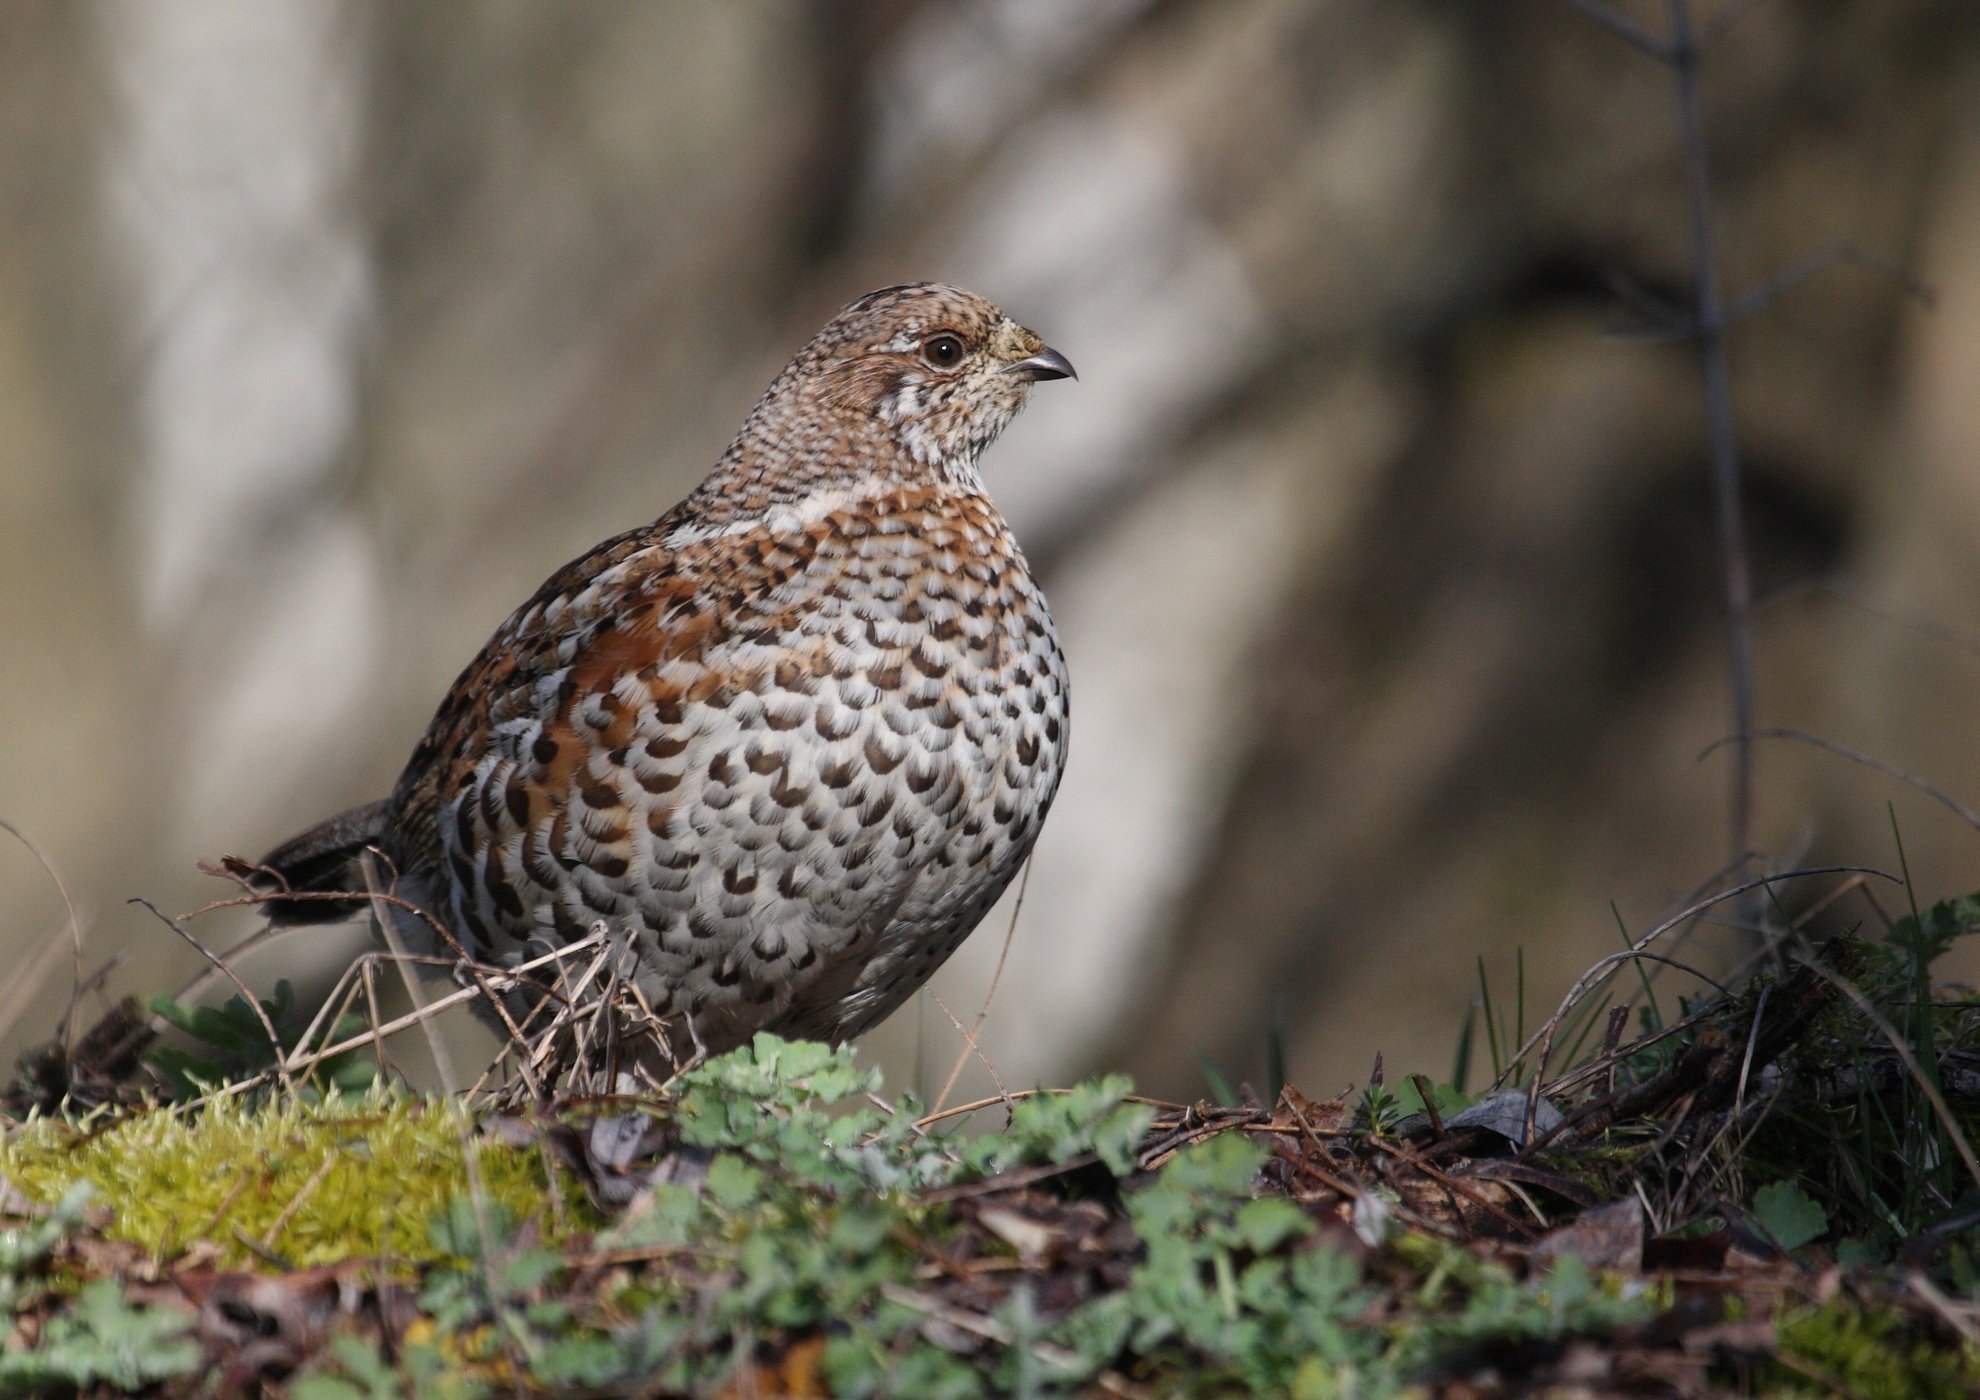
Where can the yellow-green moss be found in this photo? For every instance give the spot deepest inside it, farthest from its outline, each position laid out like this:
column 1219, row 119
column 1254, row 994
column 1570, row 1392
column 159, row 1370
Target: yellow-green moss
column 230, row 1172
column 1871, row 1354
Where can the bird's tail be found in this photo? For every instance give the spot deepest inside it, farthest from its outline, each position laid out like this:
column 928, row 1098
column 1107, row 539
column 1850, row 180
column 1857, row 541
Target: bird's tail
column 322, row 861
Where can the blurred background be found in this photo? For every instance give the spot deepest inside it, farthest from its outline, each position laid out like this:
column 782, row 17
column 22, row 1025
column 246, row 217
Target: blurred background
column 329, row 328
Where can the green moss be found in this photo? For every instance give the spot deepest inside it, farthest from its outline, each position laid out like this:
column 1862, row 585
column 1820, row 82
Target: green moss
column 1876, row 1355
column 355, row 1179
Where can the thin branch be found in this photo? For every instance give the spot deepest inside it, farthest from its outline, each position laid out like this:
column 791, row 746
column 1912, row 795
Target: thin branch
column 1838, row 252
column 1730, row 13
column 303, row 1193
column 1715, row 366
column 970, row 1047
column 431, row 1008
column 443, row 1062
column 1944, row 1307
column 1663, row 320
column 1923, row 624
column 1683, row 52
column 1625, row 29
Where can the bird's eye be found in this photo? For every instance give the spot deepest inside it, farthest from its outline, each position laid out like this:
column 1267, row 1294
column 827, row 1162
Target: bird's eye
column 943, row 350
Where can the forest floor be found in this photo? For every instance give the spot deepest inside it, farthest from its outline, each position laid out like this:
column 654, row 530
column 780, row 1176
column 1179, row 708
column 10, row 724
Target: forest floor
column 1771, row 1189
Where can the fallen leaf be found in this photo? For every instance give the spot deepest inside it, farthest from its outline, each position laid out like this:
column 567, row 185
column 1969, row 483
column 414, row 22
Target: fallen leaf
column 1607, row 1237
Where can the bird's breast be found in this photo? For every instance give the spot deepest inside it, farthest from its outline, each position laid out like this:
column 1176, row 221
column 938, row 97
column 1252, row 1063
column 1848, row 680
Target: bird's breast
column 864, row 735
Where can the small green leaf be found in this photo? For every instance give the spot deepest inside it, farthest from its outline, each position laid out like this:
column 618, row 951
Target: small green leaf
column 1449, row 1100
column 1856, row 1253
column 858, row 1232
column 733, row 1184
column 530, row 1270
column 580, row 1362
column 1093, row 1117
column 1789, row 1215
column 1268, row 1222
column 671, row 1217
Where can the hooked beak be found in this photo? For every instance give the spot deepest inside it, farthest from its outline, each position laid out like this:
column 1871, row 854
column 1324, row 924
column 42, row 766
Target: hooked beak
column 1046, row 364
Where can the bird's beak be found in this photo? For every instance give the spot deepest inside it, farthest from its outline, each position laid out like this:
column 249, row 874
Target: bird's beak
column 1046, row 364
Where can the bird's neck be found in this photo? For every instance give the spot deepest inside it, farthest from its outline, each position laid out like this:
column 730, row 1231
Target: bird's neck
column 790, row 452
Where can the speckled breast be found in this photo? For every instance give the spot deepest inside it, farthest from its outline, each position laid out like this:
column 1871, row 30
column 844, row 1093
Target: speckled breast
column 792, row 792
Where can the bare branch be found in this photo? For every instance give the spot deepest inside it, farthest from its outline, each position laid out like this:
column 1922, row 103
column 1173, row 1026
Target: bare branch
column 1730, row 14
column 1682, row 52
column 1625, row 29
column 1715, row 367
column 1838, row 252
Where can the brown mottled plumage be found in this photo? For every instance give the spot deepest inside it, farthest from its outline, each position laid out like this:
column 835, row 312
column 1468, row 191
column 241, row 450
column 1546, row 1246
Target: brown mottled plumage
column 790, row 741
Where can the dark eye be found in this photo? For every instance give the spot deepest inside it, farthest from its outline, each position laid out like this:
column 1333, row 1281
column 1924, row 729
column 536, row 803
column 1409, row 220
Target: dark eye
column 943, row 350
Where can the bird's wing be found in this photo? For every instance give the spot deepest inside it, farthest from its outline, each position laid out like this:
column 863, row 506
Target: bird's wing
column 615, row 646
column 587, row 617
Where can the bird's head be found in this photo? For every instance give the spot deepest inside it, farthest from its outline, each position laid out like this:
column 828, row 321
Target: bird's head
column 942, row 369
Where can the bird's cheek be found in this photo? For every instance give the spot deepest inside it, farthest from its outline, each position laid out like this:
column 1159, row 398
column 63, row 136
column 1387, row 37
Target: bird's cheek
column 871, row 387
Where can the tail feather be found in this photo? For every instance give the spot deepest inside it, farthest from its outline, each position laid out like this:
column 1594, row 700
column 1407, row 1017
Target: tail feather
column 323, row 860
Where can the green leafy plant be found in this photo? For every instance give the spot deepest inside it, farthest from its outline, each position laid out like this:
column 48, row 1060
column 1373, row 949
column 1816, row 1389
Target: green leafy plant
column 1217, row 1277
column 229, row 1043
column 100, row 1339
column 1093, row 1117
column 793, row 1218
column 1873, row 1143
column 1379, row 1110
column 1500, row 1313
column 355, row 1369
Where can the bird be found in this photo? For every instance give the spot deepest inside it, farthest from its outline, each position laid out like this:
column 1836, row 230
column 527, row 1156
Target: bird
column 784, row 745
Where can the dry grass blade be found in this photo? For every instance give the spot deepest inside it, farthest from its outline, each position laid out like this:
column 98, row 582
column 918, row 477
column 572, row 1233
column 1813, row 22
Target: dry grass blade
column 443, row 1063
column 387, row 925
column 303, row 1193
column 275, row 1047
column 495, row 979
column 1890, row 770
column 27, row 982
column 1605, row 968
column 970, row 1047
column 1703, row 1075
column 22, row 991
column 1963, row 1318
column 1837, row 252
column 983, row 1011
